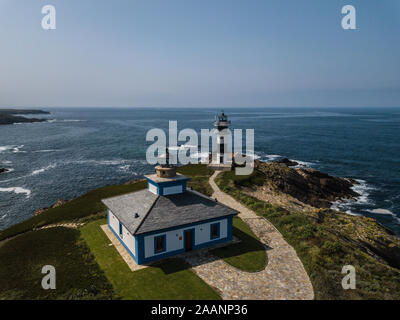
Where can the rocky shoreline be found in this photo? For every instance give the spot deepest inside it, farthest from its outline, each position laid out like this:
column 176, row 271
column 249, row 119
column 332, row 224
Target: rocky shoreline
column 310, row 186
column 57, row 204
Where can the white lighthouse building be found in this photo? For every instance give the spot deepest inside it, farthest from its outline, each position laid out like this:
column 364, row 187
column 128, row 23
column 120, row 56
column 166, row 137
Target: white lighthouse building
column 167, row 218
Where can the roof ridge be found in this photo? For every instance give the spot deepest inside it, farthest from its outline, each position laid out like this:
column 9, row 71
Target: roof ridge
column 146, row 214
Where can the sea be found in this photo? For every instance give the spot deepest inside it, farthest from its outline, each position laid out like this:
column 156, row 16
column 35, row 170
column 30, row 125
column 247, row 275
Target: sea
column 80, row 149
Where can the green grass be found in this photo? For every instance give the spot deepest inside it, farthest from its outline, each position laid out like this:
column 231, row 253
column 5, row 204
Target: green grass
column 77, row 274
column 170, row 279
column 78, row 208
column 256, row 178
column 199, row 175
column 249, row 255
column 192, row 170
column 324, row 247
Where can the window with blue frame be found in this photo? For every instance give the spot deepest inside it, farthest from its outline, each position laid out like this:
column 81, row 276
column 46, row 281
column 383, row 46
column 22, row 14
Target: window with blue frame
column 120, row 230
column 214, row 231
column 160, row 244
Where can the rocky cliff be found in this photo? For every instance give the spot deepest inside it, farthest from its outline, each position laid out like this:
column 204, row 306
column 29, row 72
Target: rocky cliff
column 310, row 186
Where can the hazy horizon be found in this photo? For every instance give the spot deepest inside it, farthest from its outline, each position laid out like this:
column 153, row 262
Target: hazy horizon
column 199, row 54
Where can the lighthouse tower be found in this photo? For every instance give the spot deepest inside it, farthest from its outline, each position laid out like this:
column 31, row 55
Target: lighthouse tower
column 222, row 158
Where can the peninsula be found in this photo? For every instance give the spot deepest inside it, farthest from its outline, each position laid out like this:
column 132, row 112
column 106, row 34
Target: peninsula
column 11, row 116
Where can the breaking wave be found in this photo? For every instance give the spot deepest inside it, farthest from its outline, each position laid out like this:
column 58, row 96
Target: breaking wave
column 345, row 205
column 65, row 120
column 17, row 190
column 11, row 148
column 45, row 151
column 39, row 171
column 275, row 157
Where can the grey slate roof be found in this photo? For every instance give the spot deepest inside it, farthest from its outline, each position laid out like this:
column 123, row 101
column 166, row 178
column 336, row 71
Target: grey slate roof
column 162, row 212
column 124, row 207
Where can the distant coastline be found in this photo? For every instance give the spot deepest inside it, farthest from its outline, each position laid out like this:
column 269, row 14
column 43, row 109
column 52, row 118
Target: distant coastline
column 11, row 116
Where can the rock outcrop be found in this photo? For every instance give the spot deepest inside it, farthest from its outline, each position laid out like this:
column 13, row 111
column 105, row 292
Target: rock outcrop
column 288, row 162
column 3, row 170
column 310, row 186
column 11, row 116
column 57, row 204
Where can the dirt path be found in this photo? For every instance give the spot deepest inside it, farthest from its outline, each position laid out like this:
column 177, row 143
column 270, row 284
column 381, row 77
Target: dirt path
column 283, row 278
column 72, row 225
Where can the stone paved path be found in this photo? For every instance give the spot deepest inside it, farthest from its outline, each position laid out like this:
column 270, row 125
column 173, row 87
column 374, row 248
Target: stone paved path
column 283, row 278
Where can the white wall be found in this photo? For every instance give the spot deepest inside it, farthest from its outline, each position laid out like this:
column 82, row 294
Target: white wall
column 114, row 223
column 127, row 237
column 153, row 188
column 172, row 190
column 202, row 233
column 201, row 236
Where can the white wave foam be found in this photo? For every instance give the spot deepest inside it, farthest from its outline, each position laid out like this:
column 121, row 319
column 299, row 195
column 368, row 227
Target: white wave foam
column 182, row 147
column 351, row 213
column 254, row 156
column 17, row 190
column 11, row 148
column 124, row 168
column 102, row 162
column 42, row 151
column 64, row 120
column 363, row 189
column 6, row 162
column 275, row 157
column 272, row 157
column 302, row 164
column 2, row 217
column 385, row 212
column 41, row 170
column 382, row 211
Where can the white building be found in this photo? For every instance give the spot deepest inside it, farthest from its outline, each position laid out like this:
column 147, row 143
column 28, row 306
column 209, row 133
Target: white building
column 167, row 219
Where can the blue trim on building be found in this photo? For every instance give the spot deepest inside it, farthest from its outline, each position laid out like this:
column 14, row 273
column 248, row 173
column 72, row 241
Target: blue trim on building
column 161, row 185
column 139, row 240
column 182, row 226
column 120, row 240
column 164, row 242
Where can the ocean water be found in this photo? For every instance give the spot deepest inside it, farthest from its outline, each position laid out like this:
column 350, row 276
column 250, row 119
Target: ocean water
column 82, row 149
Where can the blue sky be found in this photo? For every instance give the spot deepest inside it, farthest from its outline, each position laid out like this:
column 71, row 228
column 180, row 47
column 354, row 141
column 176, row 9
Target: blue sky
column 199, row 53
